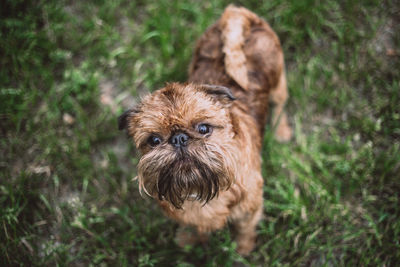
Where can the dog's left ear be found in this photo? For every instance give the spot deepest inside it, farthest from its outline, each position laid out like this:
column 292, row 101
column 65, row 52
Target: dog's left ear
column 123, row 118
column 222, row 93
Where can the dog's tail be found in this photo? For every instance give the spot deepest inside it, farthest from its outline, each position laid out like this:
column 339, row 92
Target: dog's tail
column 235, row 22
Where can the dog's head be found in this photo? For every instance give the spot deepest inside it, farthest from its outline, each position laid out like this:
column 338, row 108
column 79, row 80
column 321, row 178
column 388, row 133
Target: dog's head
column 185, row 133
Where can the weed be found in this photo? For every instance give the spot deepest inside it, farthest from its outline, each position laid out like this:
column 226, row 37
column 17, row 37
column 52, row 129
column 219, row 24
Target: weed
column 69, row 68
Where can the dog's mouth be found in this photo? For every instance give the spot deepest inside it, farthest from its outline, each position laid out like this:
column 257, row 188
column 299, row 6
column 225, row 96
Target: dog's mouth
column 191, row 197
column 188, row 179
column 193, row 175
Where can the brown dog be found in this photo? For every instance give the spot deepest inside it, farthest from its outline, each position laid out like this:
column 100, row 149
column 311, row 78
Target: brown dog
column 201, row 141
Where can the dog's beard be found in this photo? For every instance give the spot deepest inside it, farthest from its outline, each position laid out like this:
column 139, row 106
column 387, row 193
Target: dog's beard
column 176, row 176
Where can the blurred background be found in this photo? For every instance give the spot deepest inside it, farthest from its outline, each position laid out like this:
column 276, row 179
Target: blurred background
column 69, row 68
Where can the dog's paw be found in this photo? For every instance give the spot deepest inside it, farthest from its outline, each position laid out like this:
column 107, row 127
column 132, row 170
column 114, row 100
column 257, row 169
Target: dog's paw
column 245, row 244
column 283, row 133
column 186, row 236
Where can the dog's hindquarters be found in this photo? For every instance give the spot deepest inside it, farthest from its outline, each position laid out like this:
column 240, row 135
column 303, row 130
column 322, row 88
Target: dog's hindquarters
column 242, row 52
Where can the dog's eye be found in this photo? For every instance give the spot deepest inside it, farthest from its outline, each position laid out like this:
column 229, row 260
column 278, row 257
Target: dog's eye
column 154, row 140
column 204, row 128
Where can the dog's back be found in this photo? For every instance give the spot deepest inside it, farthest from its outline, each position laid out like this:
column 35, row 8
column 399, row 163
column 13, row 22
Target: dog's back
column 242, row 52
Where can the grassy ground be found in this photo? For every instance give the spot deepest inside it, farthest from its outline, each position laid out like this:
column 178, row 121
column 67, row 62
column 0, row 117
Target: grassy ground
column 68, row 68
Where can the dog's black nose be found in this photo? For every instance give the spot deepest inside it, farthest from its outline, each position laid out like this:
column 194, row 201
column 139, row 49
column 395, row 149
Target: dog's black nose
column 179, row 139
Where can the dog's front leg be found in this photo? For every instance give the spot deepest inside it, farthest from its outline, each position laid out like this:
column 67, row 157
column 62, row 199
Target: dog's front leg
column 246, row 231
column 186, row 235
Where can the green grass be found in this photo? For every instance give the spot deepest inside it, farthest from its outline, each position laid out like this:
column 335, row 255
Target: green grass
column 69, row 68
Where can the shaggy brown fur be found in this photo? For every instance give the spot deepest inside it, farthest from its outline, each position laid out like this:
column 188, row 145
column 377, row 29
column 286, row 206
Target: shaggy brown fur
column 201, row 143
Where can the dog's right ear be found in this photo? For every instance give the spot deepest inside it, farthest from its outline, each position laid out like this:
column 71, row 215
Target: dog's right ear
column 123, row 118
column 222, row 93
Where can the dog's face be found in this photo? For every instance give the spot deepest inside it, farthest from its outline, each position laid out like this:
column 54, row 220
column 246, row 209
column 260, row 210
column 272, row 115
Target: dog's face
column 186, row 136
